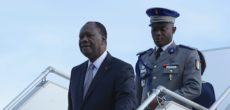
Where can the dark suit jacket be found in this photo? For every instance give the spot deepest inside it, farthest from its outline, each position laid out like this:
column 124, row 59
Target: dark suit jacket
column 112, row 88
column 207, row 96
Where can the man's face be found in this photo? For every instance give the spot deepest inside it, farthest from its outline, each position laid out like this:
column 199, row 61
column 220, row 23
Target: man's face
column 91, row 42
column 163, row 34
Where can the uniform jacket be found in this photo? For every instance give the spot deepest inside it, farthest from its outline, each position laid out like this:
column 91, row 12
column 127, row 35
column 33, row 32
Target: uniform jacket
column 112, row 88
column 175, row 69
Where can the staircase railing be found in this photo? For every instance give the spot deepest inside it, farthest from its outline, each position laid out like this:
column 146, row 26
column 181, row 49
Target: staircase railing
column 32, row 85
column 181, row 98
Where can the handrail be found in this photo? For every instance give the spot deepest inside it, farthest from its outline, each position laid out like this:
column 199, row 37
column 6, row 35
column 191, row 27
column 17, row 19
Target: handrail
column 149, row 99
column 23, row 94
column 221, row 99
column 59, row 73
column 168, row 92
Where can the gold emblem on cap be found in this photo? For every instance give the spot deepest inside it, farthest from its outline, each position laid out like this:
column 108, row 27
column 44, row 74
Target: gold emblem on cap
column 156, row 11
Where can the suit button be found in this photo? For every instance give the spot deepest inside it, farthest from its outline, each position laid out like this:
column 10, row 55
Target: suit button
column 155, row 66
column 154, row 77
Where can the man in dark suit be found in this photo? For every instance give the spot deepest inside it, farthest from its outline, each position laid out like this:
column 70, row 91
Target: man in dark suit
column 103, row 82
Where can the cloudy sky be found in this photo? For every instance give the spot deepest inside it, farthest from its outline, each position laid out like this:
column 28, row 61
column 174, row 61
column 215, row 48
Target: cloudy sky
column 35, row 34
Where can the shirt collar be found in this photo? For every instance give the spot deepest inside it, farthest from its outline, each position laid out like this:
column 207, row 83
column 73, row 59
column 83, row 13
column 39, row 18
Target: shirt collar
column 166, row 46
column 97, row 63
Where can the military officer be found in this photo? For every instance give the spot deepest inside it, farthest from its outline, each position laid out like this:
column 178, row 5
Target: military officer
column 176, row 67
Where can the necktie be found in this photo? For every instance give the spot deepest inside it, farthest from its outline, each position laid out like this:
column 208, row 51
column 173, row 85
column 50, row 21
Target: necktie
column 159, row 50
column 89, row 79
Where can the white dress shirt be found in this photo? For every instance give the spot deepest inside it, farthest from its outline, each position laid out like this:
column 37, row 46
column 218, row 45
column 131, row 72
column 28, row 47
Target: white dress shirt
column 97, row 63
column 164, row 47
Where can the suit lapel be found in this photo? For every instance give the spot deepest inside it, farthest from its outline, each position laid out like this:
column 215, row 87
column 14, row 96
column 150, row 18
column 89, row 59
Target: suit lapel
column 99, row 75
column 83, row 73
column 166, row 53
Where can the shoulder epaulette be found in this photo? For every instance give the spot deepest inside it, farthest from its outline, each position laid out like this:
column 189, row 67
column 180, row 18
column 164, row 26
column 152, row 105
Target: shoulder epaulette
column 187, row 47
column 146, row 51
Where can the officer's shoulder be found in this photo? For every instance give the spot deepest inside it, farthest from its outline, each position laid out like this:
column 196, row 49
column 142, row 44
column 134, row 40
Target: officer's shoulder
column 186, row 47
column 149, row 51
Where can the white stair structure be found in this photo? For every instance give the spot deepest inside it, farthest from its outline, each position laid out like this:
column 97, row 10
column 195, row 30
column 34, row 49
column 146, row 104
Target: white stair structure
column 170, row 105
column 42, row 94
column 174, row 106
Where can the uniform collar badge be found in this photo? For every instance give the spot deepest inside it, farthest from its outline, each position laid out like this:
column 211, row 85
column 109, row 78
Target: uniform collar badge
column 171, row 50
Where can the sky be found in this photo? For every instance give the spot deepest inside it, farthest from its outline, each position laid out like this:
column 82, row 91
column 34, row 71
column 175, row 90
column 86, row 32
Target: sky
column 35, row 34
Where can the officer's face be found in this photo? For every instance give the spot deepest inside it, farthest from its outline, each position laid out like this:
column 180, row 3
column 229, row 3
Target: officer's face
column 162, row 34
column 91, row 42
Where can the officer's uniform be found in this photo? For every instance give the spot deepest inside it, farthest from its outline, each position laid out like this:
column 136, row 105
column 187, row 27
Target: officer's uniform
column 177, row 69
